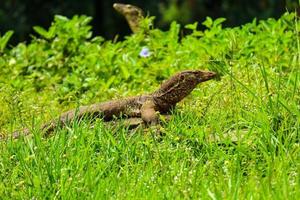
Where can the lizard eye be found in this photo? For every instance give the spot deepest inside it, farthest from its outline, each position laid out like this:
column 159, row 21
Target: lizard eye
column 181, row 78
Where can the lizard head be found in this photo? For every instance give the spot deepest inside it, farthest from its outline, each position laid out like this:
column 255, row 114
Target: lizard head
column 133, row 14
column 187, row 79
column 180, row 85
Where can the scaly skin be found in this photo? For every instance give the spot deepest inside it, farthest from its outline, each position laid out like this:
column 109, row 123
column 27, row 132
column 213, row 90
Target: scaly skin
column 147, row 107
column 133, row 15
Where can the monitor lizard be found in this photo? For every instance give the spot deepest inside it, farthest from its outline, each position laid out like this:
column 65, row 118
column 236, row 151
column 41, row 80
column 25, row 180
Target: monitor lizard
column 147, row 107
column 132, row 14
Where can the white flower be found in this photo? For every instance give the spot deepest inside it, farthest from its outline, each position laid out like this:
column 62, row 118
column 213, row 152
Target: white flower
column 145, row 52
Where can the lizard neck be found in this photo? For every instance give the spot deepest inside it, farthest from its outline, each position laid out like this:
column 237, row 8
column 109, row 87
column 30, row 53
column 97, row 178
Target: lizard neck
column 134, row 22
column 179, row 86
column 169, row 94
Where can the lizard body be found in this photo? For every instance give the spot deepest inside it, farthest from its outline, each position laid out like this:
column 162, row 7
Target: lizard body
column 147, row 107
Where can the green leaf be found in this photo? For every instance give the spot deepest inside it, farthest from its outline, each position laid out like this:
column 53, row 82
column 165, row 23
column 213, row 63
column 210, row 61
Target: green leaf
column 41, row 31
column 61, row 18
column 4, row 39
column 192, row 26
column 208, row 22
column 219, row 21
column 125, row 71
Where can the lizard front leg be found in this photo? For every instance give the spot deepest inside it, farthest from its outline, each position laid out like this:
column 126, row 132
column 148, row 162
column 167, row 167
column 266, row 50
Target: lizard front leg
column 149, row 113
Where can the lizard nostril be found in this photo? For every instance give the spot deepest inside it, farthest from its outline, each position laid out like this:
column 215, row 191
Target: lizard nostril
column 181, row 78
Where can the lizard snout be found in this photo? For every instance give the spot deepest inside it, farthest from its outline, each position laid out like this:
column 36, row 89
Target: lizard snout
column 207, row 75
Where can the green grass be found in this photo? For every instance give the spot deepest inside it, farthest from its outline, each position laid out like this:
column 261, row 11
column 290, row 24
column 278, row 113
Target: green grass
column 181, row 163
column 232, row 138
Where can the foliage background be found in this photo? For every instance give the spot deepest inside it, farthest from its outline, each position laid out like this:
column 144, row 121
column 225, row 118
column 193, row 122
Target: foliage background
column 22, row 15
